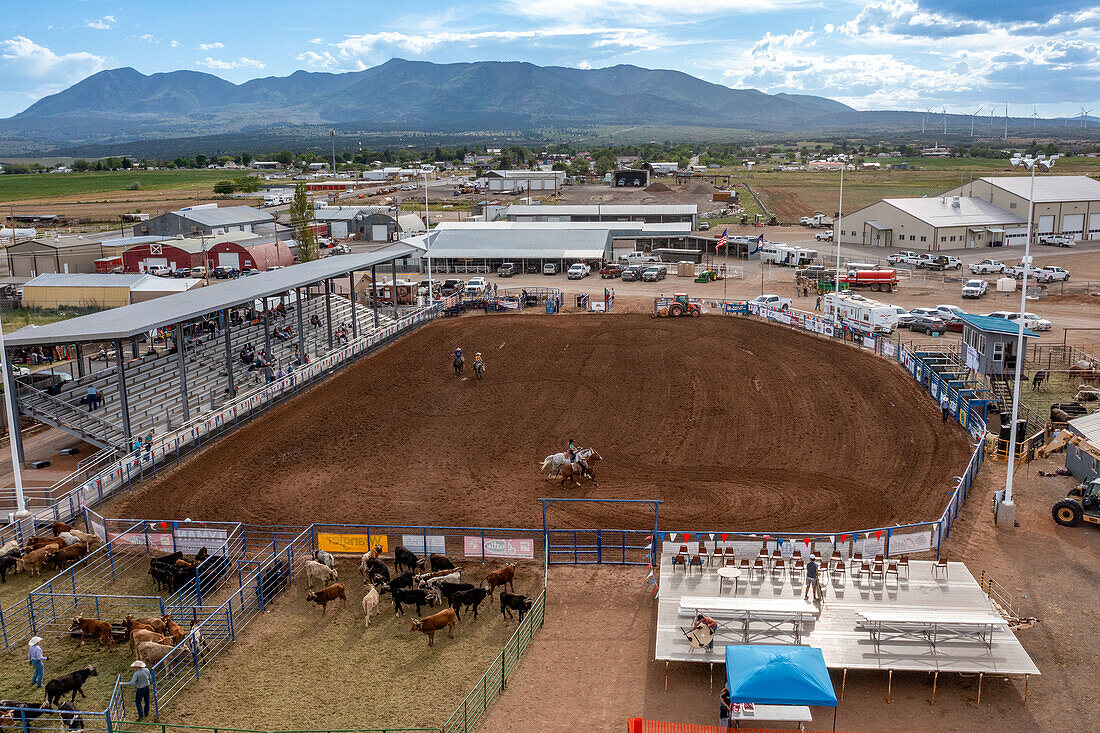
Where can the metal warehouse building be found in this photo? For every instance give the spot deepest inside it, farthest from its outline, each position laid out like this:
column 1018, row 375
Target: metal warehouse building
column 73, row 253
column 931, row 224
column 98, row 291
column 648, row 213
column 484, row 246
column 1063, row 204
column 204, row 220
column 368, row 223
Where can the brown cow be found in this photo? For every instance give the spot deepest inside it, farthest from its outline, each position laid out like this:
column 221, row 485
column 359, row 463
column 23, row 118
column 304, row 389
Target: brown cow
column 156, row 624
column 327, row 596
column 173, row 629
column 133, row 626
column 140, row 635
column 151, row 652
column 501, row 578
column 59, row 527
column 96, row 629
column 32, row 561
column 436, row 622
column 37, row 543
column 60, row 558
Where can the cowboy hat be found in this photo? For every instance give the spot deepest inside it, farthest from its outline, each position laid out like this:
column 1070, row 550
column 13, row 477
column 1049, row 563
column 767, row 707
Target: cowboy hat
column 35, row 640
column 139, row 664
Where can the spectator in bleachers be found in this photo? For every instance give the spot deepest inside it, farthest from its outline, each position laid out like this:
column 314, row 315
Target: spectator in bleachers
column 93, row 398
column 137, row 444
column 148, row 444
column 315, row 320
column 280, row 311
column 269, row 373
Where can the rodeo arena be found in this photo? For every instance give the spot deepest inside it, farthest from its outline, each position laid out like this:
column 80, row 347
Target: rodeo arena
column 314, row 503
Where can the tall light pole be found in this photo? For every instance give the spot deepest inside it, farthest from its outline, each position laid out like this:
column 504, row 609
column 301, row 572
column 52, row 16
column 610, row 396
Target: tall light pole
column 972, row 120
column 427, row 239
column 1032, row 164
column 13, row 428
column 333, row 134
column 839, row 232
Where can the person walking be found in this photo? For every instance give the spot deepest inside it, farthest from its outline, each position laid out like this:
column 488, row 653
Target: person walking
column 945, row 406
column 37, row 660
column 812, row 580
column 817, row 307
column 141, row 681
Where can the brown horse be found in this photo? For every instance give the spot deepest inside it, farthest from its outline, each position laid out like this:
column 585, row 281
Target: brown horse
column 575, row 471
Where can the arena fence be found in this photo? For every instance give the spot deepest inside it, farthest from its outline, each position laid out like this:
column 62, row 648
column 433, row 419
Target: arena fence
column 143, row 727
column 639, row 725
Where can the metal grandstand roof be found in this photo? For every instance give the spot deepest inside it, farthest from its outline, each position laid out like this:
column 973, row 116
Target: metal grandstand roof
column 603, row 210
column 131, row 320
column 521, row 240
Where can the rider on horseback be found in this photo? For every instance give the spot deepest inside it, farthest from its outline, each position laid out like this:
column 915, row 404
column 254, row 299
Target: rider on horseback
column 458, row 353
column 573, row 450
column 477, row 358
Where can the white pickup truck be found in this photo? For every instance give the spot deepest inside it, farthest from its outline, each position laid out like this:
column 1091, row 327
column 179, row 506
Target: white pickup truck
column 986, row 267
column 772, row 301
column 1051, row 273
column 903, row 258
column 638, row 258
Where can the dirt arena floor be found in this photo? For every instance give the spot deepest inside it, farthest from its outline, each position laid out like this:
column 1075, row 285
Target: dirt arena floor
column 736, row 424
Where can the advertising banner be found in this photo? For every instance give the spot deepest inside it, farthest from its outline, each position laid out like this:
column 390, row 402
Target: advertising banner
column 157, row 540
column 519, row 548
column 189, row 541
column 425, row 545
column 351, row 543
column 910, row 542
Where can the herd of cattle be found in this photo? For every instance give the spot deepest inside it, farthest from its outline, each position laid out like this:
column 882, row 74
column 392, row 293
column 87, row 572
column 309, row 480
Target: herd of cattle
column 416, row 582
column 55, row 551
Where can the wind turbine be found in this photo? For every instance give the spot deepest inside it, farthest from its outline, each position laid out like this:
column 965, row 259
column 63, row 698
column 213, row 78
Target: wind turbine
column 1034, row 116
column 945, row 119
column 979, row 109
column 1006, row 120
column 1085, row 117
column 924, row 118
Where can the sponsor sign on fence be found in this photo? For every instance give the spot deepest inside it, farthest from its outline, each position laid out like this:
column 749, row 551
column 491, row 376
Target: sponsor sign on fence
column 152, row 540
column 190, row 541
column 350, row 543
column 521, row 549
column 425, row 544
column 910, row 542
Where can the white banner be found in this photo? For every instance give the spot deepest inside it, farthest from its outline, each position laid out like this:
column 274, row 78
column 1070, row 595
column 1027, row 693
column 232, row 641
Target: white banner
column 424, row 546
column 971, row 358
column 190, row 541
column 889, row 348
column 910, row 542
column 870, row 546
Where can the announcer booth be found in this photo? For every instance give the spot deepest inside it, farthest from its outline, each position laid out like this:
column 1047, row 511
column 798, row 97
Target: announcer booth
column 990, row 344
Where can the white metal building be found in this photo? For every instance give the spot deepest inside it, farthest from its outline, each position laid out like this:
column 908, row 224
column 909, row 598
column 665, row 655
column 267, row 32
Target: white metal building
column 1063, row 204
column 931, row 224
column 509, row 181
column 482, row 246
column 649, row 213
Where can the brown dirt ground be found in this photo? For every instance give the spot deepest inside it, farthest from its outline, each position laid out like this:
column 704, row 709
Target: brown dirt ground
column 1048, row 570
column 701, row 413
column 385, row 675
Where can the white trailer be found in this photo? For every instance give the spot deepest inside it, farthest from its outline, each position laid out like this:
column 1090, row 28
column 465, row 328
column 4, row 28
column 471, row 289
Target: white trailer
column 857, row 311
column 785, row 254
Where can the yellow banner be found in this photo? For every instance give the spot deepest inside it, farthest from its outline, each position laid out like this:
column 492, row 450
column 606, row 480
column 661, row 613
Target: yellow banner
column 350, row 543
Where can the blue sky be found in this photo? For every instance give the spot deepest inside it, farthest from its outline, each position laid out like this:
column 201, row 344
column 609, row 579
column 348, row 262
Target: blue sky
column 884, row 54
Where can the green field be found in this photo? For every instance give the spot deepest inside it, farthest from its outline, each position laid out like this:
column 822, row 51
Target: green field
column 45, row 185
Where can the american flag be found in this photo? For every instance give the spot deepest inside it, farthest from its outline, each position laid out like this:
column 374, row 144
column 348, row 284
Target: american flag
column 722, row 240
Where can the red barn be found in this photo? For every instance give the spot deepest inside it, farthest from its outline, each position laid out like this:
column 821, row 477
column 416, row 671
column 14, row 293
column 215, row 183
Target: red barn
column 176, row 253
column 259, row 254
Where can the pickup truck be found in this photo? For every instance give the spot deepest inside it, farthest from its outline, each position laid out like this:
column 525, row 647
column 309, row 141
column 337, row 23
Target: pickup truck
column 944, row 262
column 903, row 258
column 924, row 260
column 772, row 301
column 160, row 270
column 578, row 270
column 507, row 269
column 476, row 286
column 974, row 288
column 825, row 236
column 986, row 267
column 639, row 258
column 611, row 271
column 1057, row 240
column 632, row 273
column 1051, row 273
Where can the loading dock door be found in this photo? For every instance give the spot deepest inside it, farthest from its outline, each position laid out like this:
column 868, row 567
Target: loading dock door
column 379, row 232
column 229, row 259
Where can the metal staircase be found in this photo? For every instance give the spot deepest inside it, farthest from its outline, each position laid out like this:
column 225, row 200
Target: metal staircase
column 71, row 418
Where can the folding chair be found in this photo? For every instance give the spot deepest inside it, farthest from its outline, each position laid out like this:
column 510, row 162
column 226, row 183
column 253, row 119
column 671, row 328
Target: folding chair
column 903, row 562
column 728, row 552
column 796, row 555
column 696, row 560
column 857, row 557
column 892, row 569
column 837, row 569
column 744, row 565
column 779, row 567
column 681, row 559
column 776, row 556
column 941, row 564
column 837, row 557
column 864, row 567
column 759, row 565
column 878, row 569
column 731, row 562
column 797, row 568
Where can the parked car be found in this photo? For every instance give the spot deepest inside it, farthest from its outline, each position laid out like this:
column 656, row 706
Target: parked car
column 578, row 270
column 1051, row 273
column 929, row 325
column 974, row 288
column 1031, row 321
column 422, row 287
column 1057, row 240
column 924, row 312
column 704, row 226
column 341, row 249
column 986, row 267
column 904, row 316
column 160, row 270
column 637, row 258
column 772, row 300
column 182, row 272
column 654, row 273
column 903, row 258
column 949, row 312
column 507, row 269
column 452, row 286
column 476, row 286
column 224, row 273
column 825, row 236
column 633, row 273
column 201, row 271
column 550, row 268
column 611, row 271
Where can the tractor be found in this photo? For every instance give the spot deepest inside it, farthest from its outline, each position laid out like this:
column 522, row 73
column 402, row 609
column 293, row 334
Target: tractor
column 1083, row 502
column 679, row 306
column 707, row 276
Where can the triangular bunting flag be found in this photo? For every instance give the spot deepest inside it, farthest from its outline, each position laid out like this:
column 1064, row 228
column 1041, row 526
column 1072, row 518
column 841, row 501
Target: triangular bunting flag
column 724, row 537
column 671, row 536
column 711, row 535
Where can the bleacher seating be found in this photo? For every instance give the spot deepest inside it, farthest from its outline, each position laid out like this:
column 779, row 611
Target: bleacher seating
column 152, row 381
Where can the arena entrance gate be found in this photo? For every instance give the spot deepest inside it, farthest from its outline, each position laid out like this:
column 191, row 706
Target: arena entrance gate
column 599, row 546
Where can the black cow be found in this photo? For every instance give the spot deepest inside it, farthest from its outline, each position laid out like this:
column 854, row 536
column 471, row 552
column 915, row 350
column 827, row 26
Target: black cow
column 439, row 562
column 73, row 722
column 514, row 602
column 377, row 571
column 468, row 599
column 411, row 597
column 72, row 682
column 7, row 562
column 403, row 557
column 32, row 711
column 449, row 589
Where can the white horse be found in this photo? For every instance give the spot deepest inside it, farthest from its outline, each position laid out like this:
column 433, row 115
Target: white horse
column 557, row 460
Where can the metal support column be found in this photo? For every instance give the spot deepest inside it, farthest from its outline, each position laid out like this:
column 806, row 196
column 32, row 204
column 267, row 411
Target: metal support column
column 79, row 361
column 13, row 429
column 354, row 313
column 267, row 333
column 134, row 348
column 181, row 362
column 328, row 311
column 393, row 269
column 229, row 356
column 374, row 292
column 124, row 406
column 301, row 328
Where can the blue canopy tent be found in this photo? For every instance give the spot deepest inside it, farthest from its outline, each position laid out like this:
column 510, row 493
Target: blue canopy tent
column 779, row 675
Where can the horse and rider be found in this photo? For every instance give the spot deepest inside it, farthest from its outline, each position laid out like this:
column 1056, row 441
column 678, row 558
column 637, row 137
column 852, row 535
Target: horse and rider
column 459, row 361
column 572, row 464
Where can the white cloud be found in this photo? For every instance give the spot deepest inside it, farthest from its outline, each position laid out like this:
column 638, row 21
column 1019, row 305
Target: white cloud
column 645, row 10
column 101, row 24
column 314, row 60
column 174, row 44
column 24, row 56
column 315, row 40
column 242, row 62
column 211, row 46
column 147, row 37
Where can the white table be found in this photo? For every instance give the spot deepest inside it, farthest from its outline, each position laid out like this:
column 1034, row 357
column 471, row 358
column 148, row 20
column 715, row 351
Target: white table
column 932, row 625
column 773, row 612
column 773, row 713
column 728, row 573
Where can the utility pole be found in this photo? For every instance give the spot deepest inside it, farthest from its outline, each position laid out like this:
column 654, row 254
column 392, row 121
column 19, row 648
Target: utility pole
column 333, row 134
column 1006, row 120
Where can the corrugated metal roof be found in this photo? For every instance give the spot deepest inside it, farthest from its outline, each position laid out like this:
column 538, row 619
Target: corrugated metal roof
column 225, row 215
column 941, row 211
column 165, row 284
column 344, row 213
column 119, row 323
column 85, row 280
column 519, row 240
column 1049, row 188
column 65, row 241
column 1088, row 427
column 995, row 325
column 603, row 210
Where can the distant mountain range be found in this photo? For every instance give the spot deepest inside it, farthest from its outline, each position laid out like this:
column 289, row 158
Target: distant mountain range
column 124, row 106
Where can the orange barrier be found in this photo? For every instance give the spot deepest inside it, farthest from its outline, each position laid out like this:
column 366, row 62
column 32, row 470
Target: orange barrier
column 638, row 725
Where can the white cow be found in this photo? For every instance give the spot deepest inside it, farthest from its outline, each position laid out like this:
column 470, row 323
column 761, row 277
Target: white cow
column 319, row 571
column 370, row 603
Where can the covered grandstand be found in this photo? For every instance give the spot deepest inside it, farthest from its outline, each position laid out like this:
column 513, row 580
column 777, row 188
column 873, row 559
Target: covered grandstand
column 159, row 364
